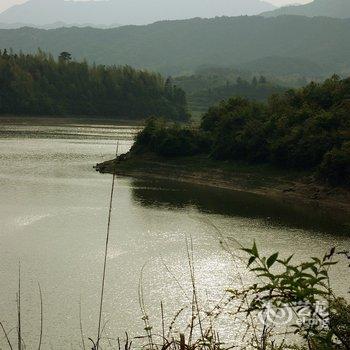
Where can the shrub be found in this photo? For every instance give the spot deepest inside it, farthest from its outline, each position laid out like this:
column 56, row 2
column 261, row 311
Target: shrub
column 171, row 140
column 335, row 167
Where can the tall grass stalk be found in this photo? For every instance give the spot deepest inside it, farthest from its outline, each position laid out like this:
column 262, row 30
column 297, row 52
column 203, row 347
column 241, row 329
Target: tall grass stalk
column 96, row 346
column 41, row 317
column 6, row 335
column 19, row 330
column 195, row 304
column 105, row 263
column 81, row 327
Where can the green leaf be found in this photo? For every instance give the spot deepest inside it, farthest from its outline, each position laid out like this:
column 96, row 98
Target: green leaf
column 266, row 274
column 271, row 260
column 314, row 270
column 259, row 269
column 330, row 263
column 255, row 250
column 251, row 260
column 289, row 259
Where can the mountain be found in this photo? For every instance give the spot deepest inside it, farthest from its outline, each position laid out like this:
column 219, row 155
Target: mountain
column 283, row 66
column 327, row 8
column 179, row 47
column 108, row 12
column 55, row 25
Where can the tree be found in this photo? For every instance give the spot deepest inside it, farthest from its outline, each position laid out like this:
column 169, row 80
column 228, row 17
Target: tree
column 304, row 129
column 169, row 86
column 255, row 81
column 335, row 167
column 262, row 80
column 239, row 81
column 65, row 56
column 38, row 84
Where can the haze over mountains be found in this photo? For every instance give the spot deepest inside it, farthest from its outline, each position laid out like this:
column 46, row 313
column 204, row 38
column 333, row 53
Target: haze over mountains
column 112, row 12
column 327, row 8
column 285, row 44
column 268, row 44
column 48, row 14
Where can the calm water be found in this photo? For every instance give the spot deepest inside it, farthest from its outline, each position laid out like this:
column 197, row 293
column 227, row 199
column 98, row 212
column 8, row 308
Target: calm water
column 53, row 214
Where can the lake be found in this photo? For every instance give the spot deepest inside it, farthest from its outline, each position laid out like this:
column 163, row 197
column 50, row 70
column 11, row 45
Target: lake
column 53, row 213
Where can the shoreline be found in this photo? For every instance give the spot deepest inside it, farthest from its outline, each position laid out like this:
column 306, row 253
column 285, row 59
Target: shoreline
column 295, row 188
column 52, row 120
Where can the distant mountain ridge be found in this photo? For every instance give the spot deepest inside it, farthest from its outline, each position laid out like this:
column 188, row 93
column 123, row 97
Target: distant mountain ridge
column 290, row 44
column 326, row 8
column 108, row 12
column 56, row 25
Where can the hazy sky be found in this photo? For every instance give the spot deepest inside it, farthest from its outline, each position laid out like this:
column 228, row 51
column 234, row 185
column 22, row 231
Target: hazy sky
column 4, row 4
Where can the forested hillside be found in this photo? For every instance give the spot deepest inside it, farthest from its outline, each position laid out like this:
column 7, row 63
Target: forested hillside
column 40, row 85
column 180, row 47
column 204, row 91
column 305, row 129
column 327, row 8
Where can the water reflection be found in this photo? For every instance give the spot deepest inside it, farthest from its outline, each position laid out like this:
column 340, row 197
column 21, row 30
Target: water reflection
column 172, row 194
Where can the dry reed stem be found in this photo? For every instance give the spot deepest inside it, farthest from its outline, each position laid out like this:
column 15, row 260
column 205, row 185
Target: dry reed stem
column 105, row 263
column 41, row 317
column 6, row 336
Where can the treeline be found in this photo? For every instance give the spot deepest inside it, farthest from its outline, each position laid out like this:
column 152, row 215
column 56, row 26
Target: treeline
column 40, row 85
column 212, row 77
column 258, row 89
column 306, row 129
column 210, row 85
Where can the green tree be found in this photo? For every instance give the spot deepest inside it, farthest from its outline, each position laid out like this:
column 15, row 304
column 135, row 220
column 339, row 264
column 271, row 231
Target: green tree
column 262, row 80
column 65, row 56
column 304, row 129
column 40, row 85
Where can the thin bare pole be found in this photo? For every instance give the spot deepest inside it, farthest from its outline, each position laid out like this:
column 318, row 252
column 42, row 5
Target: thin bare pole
column 105, row 262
